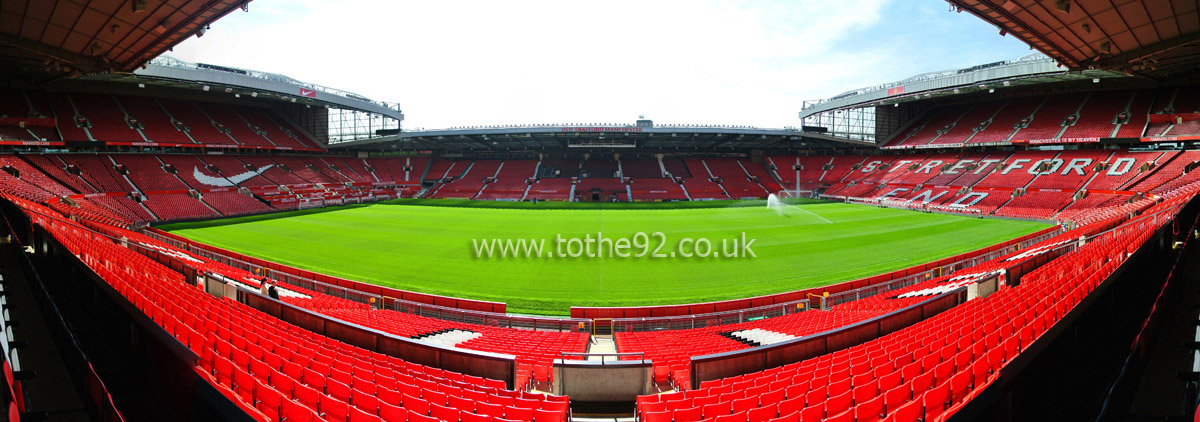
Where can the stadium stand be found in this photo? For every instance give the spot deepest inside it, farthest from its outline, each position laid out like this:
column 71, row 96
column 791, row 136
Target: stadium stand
column 472, row 180
column 231, row 203
column 146, row 171
column 676, row 167
column 604, row 188
column 550, row 189
column 922, row 372
column 238, row 129
column 1097, row 117
column 938, row 123
column 1069, row 170
column 198, row 125
column 109, row 121
column 510, row 182
column 1040, row 205
column 640, row 168
column 277, row 371
column 71, row 124
column 1002, row 125
column 1138, row 113
column 271, row 128
column 1051, row 115
column 735, row 178
column 1018, row 170
column 178, row 206
column 656, row 189
column 968, row 124
column 155, row 120
column 1036, row 182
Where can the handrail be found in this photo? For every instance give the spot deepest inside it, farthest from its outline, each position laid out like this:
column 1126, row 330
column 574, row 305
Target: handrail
column 563, row 360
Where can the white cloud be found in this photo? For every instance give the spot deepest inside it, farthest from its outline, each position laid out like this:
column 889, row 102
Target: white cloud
column 455, row 63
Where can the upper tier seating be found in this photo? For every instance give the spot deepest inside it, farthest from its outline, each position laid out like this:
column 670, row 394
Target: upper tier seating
column 155, row 120
column 272, row 129
column 108, row 120
column 241, row 131
column 1138, row 112
column 1002, row 125
column 932, row 126
column 1098, row 114
column 441, row 169
column 969, row 123
column 595, row 167
column 677, row 168
column 65, row 117
column 638, row 168
column 1047, row 122
column 200, row 126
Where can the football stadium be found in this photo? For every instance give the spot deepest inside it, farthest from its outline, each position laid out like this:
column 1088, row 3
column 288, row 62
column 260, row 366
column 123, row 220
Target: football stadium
column 1009, row 241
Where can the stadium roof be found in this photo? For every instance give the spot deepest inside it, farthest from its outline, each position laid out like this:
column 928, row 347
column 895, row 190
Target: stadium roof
column 1159, row 39
column 47, row 39
column 616, row 137
column 166, row 71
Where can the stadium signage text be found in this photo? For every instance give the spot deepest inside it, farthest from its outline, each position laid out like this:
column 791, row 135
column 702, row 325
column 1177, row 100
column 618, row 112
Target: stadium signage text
column 602, row 129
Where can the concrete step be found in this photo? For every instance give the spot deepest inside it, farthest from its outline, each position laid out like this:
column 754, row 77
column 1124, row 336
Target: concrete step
column 601, row 344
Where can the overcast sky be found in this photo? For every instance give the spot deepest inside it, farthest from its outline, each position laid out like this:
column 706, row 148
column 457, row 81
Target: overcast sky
column 462, row 63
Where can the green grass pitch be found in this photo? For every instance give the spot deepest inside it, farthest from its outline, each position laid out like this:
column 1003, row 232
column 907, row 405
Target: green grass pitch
column 426, row 246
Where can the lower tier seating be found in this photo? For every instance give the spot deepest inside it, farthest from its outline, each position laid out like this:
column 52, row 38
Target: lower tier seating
column 277, row 371
column 924, row 372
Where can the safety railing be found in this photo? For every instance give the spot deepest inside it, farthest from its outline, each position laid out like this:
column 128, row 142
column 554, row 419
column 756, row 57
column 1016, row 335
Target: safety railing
column 583, row 356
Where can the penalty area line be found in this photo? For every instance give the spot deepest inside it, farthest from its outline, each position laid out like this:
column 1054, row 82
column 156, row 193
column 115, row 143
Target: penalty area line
column 812, row 214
